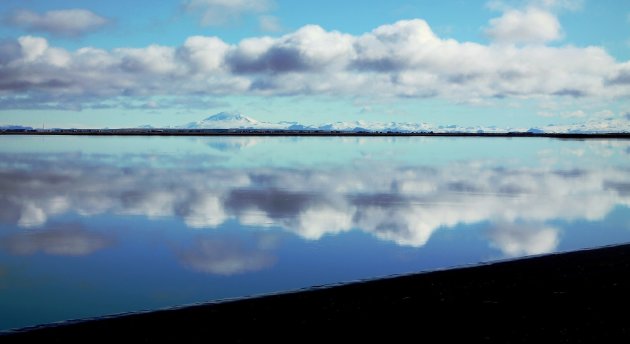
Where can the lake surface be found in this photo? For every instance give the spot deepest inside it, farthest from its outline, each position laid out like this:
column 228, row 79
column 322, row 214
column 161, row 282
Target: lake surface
column 93, row 226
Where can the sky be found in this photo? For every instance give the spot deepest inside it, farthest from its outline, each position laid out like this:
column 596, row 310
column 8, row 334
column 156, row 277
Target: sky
column 504, row 63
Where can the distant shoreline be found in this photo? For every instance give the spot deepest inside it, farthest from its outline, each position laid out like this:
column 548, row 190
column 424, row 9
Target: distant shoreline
column 275, row 132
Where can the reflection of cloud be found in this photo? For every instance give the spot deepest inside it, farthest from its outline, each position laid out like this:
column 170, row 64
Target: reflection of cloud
column 517, row 239
column 405, row 226
column 206, row 211
column 314, row 222
column 32, row 216
column 60, row 239
column 400, row 204
column 226, row 257
column 151, row 203
column 621, row 188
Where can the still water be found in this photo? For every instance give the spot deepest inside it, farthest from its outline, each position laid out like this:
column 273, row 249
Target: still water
column 93, row 226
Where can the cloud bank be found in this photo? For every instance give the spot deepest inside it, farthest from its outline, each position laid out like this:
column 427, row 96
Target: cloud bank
column 403, row 59
column 69, row 23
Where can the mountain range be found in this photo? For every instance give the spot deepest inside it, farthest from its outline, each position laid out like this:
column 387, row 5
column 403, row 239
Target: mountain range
column 227, row 120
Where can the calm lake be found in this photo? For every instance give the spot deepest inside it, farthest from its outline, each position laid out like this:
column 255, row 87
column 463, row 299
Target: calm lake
column 93, row 226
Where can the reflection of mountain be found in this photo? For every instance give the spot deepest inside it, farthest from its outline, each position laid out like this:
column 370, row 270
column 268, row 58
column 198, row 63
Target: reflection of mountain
column 232, row 143
column 59, row 239
column 400, row 204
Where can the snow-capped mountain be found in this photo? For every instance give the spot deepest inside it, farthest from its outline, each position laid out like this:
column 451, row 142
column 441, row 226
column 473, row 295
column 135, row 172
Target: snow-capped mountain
column 227, row 120
column 14, row 127
column 358, row 126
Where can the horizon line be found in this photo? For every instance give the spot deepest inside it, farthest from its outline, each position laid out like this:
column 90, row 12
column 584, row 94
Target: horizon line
column 296, row 132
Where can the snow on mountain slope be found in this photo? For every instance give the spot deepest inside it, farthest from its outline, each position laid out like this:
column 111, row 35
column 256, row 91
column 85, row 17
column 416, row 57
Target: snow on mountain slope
column 227, row 120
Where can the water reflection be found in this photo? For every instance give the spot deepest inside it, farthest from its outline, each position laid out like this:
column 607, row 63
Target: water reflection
column 405, row 205
column 233, row 144
column 227, row 256
column 524, row 239
column 65, row 239
column 193, row 220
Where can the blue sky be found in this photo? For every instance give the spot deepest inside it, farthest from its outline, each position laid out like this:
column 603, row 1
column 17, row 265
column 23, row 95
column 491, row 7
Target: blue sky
column 521, row 63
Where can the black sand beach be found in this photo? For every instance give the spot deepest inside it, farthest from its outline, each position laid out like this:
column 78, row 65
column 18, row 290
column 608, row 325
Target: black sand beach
column 575, row 297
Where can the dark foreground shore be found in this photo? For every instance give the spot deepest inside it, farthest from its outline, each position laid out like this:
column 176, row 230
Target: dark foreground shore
column 577, row 297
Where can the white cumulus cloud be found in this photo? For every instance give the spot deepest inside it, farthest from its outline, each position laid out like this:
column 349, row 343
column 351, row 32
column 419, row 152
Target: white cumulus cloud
column 403, row 59
column 529, row 26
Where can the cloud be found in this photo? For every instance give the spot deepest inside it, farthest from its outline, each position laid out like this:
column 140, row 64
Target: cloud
column 269, row 23
column 622, row 75
column 529, row 26
column 225, row 257
column 565, row 114
column 309, row 49
column 219, row 12
column 59, row 239
column 572, row 5
column 606, row 125
column 204, row 54
column 68, row 23
column 550, row 5
column 404, row 59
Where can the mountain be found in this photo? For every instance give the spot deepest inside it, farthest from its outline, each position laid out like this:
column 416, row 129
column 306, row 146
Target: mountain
column 15, row 127
column 361, row 126
column 227, row 120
